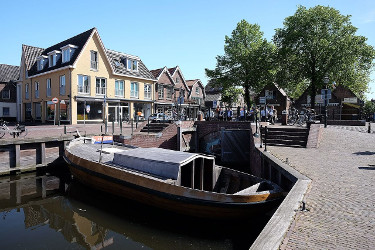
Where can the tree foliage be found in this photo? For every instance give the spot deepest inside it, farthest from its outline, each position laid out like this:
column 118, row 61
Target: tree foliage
column 247, row 60
column 319, row 42
column 369, row 108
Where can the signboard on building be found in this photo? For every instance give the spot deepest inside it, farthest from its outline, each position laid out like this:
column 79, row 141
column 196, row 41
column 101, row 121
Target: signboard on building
column 88, row 108
column 262, row 100
column 350, row 100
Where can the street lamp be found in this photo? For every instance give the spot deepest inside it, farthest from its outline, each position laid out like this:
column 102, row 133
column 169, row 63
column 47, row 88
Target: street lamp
column 325, row 80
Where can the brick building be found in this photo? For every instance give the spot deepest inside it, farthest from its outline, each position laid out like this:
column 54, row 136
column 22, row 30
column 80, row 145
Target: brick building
column 343, row 105
column 276, row 97
column 9, row 75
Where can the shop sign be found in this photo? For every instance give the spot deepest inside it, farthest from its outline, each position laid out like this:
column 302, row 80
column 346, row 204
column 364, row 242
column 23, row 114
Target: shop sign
column 350, row 100
column 87, row 108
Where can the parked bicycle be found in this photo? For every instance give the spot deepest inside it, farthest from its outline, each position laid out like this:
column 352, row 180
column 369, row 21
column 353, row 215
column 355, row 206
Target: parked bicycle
column 306, row 115
column 293, row 116
column 15, row 132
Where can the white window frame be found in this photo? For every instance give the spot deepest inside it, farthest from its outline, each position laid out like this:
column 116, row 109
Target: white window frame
column 169, row 92
column 269, row 94
column 69, row 49
column 40, row 64
column 134, row 93
column 131, row 63
column 52, row 58
column 197, row 90
column 36, row 89
column 95, row 62
column 100, row 90
column 148, row 91
column 62, row 85
column 49, row 88
column 160, row 91
column 83, row 84
column 119, row 91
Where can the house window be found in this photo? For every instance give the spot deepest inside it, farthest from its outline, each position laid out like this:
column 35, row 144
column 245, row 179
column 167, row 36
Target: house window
column 94, row 60
column 62, row 85
column 148, row 90
column 40, row 64
column 6, row 94
column 177, row 79
column 134, row 89
column 52, row 58
column 270, row 94
column 27, row 91
column 6, row 111
column 160, row 91
column 65, row 55
column 197, row 90
column 67, row 52
column 36, row 89
column 132, row 65
column 49, row 86
column 83, row 84
column 101, row 86
column 119, row 88
column 169, row 92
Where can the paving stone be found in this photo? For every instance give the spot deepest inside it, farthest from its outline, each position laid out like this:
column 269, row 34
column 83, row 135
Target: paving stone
column 341, row 199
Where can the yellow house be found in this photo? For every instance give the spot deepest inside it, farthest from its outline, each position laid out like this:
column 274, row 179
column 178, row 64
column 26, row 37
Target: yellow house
column 80, row 80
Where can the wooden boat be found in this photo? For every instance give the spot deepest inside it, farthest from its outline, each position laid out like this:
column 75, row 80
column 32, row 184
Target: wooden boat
column 185, row 183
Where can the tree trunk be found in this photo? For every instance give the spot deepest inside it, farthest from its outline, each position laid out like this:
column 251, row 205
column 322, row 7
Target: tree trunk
column 247, row 95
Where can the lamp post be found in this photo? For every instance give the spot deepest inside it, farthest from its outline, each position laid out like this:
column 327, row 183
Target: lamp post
column 326, row 80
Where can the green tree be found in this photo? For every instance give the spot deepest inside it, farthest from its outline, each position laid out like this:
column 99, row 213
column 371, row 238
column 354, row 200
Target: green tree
column 369, row 108
column 247, row 60
column 230, row 94
column 319, row 42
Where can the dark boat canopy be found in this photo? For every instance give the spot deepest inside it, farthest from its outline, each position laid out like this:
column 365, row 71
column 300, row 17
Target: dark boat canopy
column 160, row 162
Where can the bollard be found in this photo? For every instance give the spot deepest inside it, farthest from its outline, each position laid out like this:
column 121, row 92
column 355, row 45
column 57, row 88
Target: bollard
column 101, row 129
column 369, row 127
column 261, row 137
column 113, row 127
column 148, row 125
column 132, row 125
column 120, row 126
column 64, row 129
column 265, row 138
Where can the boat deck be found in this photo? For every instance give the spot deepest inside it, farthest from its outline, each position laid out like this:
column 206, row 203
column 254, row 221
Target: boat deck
column 92, row 151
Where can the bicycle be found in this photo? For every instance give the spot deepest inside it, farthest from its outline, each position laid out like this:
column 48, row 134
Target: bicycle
column 293, row 116
column 16, row 131
column 307, row 115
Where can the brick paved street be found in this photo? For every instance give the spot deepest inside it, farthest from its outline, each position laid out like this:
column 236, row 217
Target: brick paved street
column 341, row 199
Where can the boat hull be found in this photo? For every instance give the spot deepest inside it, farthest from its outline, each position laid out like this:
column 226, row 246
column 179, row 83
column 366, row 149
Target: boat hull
column 168, row 197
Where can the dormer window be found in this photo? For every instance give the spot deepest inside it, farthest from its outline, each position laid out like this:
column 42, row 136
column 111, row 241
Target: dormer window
column 132, row 64
column 177, row 79
column 67, row 52
column 41, row 61
column 52, row 57
column 197, row 90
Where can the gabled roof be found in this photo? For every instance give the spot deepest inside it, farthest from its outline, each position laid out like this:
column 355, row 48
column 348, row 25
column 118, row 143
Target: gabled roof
column 191, row 83
column 157, row 73
column 9, row 73
column 31, row 53
column 119, row 66
column 78, row 40
column 173, row 71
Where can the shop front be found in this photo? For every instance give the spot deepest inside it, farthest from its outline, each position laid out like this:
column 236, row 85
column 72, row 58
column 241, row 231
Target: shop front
column 118, row 111
column 142, row 110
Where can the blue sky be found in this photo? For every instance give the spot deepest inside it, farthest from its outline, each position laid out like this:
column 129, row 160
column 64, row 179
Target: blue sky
column 162, row 33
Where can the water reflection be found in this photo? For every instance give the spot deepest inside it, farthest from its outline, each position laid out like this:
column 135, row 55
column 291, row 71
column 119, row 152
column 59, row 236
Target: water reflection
column 53, row 212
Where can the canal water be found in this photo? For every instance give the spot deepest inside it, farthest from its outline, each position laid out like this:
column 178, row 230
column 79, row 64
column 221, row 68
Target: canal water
column 49, row 210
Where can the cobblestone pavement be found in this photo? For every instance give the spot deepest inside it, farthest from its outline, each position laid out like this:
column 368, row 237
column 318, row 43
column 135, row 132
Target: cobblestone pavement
column 340, row 199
